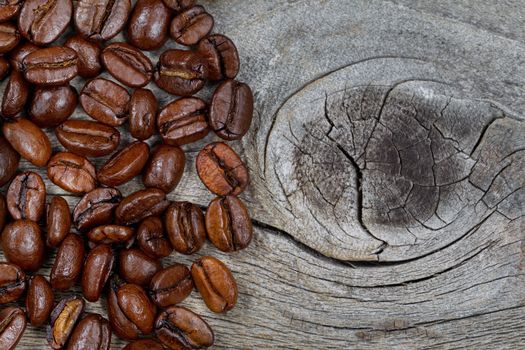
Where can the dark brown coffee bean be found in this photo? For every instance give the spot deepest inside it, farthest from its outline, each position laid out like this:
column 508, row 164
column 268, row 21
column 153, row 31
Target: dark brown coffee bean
column 127, row 64
column 171, row 285
column 221, row 170
column 23, row 245
column 180, row 328
column 111, row 234
column 124, row 165
column 221, row 56
column 181, row 72
column 9, row 37
column 58, row 221
column 28, row 140
column 4, row 68
column 96, row 208
column 101, row 19
column 136, row 267
column 16, row 57
column 12, row 326
column 185, row 227
column 123, row 326
column 148, row 24
column 26, row 196
column 64, row 317
column 142, row 114
column 144, row 344
column 9, row 160
column 51, row 66
column 105, row 101
column 141, row 204
column 91, row 333
column 179, row 5
column 9, row 9
column 97, row 268
column 215, row 283
column 43, row 21
column 72, row 172
column 190, row 26
column 3, row 212
column 39, row 300
column 12, row 282
column 16, row 94
column 52, row 106
column 151, row 238
column 87, row 138
column 165, row 168
column 68, row 262
column 88, row 54
column 183, row 121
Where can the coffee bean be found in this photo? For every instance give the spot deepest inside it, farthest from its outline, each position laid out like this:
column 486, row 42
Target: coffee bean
column 12, row 326
column 16, row 57
column 72, row 172
column 136, row 267
column 43, row 21
column 221, row 170
column 12, row 282
column 101, row 19
column 111, row 234
column 171, row 285
column 96, row 208
column 183, row 121
column 9, row 160
column 180, row 328
column 51, row 66
column 58, row 221
column 185, row 227
column 97, row 268
column 64, row 317
column 68, row 262
column 231, row 110
column 221, row 56
column 3, row 212
column 141, row 204
column 88, row 54
column 144, row 344
column 28, row 140
column 91, row 333
column 127, row 64
column 123, row 326
column 165, row 168
column 4, row 67
column 23, row 245
column 105, row 101
column 124, row 165
column 16, row 94
column 87, row 138
column 179, row 5
column 152, row 239
column 190, row 26
column 180, row 72
column 26, row 196
column 215, row 283
column 39, row 300
column 148, row 24
column 52, row 106
column 142, row 114
column 9, row 37
column 9, row 9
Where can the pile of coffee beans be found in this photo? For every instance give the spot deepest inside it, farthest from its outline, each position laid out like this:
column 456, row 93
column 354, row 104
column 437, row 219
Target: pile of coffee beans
column 110, row 246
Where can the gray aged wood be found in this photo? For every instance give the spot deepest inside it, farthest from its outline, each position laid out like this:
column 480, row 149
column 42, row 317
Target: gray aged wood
column 387, row 162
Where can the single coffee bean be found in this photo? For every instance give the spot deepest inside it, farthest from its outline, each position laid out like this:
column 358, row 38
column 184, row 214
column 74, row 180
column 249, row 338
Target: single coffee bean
column 135, row 304
column 43, row 21
column 4, row 68
column 127, row 64
column 144, row 344
column 141, row 204
column 105, row 101
column 9, row 160
column 190, row 26
column 9, row 9
column 87, row 138
column 185, row 227
column 148, row 24
column 179, row 5
column 12, row 282
column 58, row 221
column 124, row 165
column 68, row 262
column 111, row 234
column 221, row 170
column 26, row 196
column 221, row 56
column 39, row 300
column 88, row 53
column 171, row 285
column 215, row 283
column 64, row 317
column 52, row 106
column 91, row 333
column 181, row 72
column 16, row 57
column 165, row 168
column 3, row 212
column 180, row 328
column 123, row 326
column 51, row 66
column 28, row 140
column 101, row 19
column 16, row 94
column 136, row 267
column 152, row 239
column 72, row 172
column 97, row 268
column 183, row 121
column 142, row 113
column 12, row 326
column 23, row 245
column 96, row 208
column 9, row 37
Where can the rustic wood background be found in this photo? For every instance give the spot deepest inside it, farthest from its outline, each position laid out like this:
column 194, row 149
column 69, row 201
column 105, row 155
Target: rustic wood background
column 387, row 158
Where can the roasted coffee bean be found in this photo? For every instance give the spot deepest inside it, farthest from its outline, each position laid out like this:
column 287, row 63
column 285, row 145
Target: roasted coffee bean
column 215, row 283
column 68, row 262
column 58, row 221
column 179, row 5
column 4, row 67
column 97, row 268
column 221, row 170
column 26, row 196
column 91, row 333
column 9, row 37
column 39, row 300
column 105, row 101
column 221, row 56
column 12, row 326
column 51, row 66
column 43, row 21
column 12, row 282
column 87, row 138
column 152, row 239
column 88, row 54
column 124, row 165
column 9, row 160
column 111, row 234
column 52, row 106
column 185, row 227
column 96, row 208
column 16, row 57
column 23, row 245
column 228, row 224
column 171, row 285
column 144, row 344
column 165, row 168
column 3, row 212
column 183, row 121
column 16, row 94
column 142, row 114
column 148, row 24
column 9, row 9
column 190, row 26
column 127, row 64
column 101, row 19
column 141, row 204
column 64, row 317
column 136, row 267
column 28, row 140
column 181, row 72
column 72, row 172
column 123, row 326
column 180, row 328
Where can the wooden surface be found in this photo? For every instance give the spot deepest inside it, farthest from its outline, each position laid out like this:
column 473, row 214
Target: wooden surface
column 387, row 163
